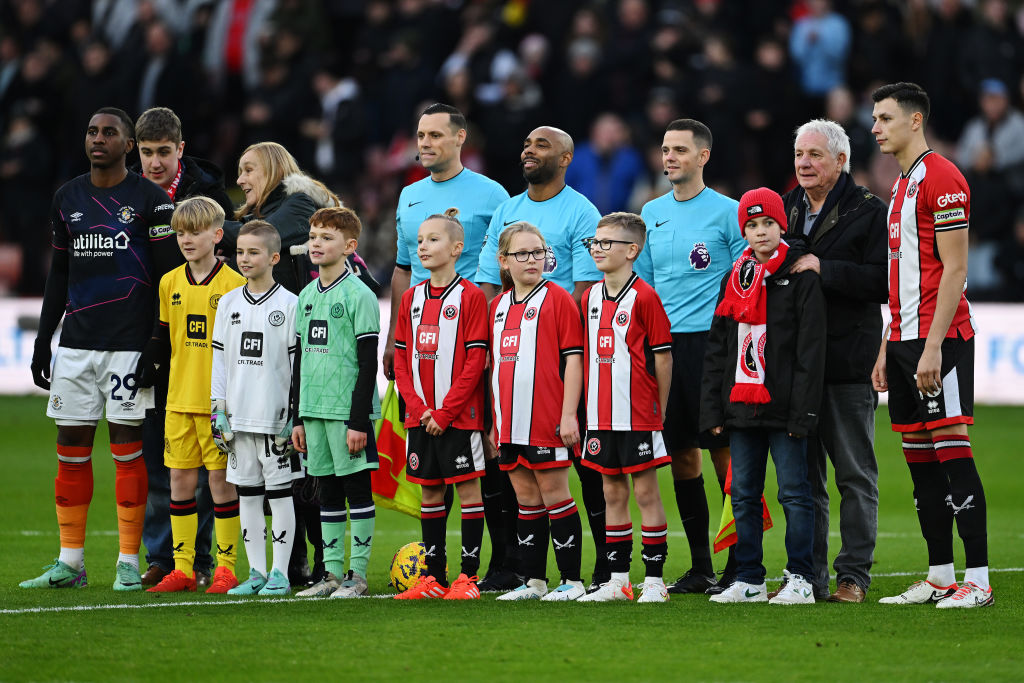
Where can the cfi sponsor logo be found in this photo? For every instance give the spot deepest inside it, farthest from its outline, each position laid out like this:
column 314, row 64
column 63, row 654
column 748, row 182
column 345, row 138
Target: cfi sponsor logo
column 700, row 257
column 125, row 214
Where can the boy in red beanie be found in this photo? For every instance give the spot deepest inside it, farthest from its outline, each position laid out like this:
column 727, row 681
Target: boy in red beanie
column 763, row 375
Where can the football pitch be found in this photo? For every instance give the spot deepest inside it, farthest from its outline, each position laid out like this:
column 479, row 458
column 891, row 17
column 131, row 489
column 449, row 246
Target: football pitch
column 97, row 634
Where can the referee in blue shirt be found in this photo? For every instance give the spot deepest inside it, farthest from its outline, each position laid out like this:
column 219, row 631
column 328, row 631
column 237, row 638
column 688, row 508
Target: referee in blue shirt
column 693, row 238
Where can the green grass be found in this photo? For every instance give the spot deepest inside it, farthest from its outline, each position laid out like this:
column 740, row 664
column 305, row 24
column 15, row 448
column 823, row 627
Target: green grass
column 212, row 638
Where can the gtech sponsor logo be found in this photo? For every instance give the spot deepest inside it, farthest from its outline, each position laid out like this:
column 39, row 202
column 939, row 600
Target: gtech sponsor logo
column 952, row 198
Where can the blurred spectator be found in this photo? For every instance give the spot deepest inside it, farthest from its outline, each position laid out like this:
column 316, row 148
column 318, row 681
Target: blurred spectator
column 338, row 134
column 163, row 76
column 939, row 64
column 770, row 117
column 998, row 127
column 878, row 52
column 841, row 108
column 820, row 45
column 721, row 103
column 993, row 48
column 1009, row 261
column 992, row 203
column 606, row 168
column 582, row 88
column 628, row 54
column 25, row 169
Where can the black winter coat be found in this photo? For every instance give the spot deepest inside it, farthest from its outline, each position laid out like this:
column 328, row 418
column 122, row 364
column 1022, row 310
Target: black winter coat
column 794, row 357
column 850, row 239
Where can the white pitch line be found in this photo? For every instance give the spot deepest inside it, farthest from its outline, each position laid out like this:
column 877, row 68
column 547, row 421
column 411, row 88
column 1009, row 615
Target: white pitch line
column 294, row 600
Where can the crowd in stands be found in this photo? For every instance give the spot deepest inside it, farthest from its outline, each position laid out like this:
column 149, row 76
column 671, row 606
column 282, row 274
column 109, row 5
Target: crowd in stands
column 341, row 83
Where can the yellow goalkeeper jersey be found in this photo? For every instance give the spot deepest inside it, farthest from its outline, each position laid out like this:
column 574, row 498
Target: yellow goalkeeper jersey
column 188, row 309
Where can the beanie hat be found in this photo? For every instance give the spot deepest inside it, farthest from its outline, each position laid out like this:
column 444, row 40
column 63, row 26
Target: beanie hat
column 762, row 202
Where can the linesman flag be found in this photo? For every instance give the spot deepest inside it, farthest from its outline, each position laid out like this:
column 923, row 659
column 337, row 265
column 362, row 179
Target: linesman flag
column 390, row 487
column 727, row 528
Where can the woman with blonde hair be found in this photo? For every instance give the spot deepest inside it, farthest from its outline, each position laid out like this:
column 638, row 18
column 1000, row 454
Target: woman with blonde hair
column 278, row 192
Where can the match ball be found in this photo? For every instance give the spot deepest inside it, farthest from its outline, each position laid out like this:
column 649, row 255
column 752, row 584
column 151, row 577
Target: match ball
column 407, row 566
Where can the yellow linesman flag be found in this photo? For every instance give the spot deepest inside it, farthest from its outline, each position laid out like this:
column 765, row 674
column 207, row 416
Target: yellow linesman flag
column 391, row 489
column 727, row 528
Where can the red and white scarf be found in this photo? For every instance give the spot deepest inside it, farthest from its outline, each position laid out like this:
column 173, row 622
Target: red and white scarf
column 746, row 302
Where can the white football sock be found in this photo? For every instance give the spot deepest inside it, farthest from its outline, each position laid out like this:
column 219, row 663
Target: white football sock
column 977, row 575
column 254, row 531
column 73, row 557
column 282, row 522
column 942, row 574
column 132, row 559
column 621, row 577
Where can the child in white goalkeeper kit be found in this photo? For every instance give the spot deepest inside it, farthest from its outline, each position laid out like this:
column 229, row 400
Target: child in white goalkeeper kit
column 253, row 348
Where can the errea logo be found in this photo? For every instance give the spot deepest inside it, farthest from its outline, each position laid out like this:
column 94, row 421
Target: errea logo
column 952, row 198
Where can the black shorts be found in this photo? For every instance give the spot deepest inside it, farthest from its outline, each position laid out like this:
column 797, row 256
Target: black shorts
column 511, row 456
column 682, row 414
column 912, row 411
column 456, row 455
column 611, row 452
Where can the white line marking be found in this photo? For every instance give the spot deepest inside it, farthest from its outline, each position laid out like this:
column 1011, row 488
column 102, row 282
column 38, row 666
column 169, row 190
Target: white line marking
column 294, row 600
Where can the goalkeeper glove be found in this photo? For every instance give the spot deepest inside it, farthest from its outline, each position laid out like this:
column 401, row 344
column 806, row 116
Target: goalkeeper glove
column 283, row 441
column 219, row 425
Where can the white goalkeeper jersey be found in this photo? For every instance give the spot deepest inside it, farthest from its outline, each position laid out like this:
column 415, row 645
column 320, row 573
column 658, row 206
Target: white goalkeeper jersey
column 253, row 350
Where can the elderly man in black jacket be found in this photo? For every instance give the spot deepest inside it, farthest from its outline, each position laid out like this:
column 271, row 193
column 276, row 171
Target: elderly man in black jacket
column 844, row 226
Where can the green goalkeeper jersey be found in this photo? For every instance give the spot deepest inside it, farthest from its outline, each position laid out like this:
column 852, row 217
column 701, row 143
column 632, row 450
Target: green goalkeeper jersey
column 329, row 322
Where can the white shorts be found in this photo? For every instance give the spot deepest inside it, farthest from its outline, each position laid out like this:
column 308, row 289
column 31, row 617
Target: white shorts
column 255, row 462
column 85, row 380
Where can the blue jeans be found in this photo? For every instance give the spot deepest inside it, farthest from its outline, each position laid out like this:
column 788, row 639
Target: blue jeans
column 749, row 448
column 156, row 529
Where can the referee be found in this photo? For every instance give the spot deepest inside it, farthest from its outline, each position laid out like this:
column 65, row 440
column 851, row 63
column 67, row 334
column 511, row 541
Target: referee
column 692, row 241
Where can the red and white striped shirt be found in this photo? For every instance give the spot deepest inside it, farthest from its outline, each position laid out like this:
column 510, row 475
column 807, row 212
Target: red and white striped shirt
column 529, row 339
column 440, row 352
column 932, row 197
column 622, row 395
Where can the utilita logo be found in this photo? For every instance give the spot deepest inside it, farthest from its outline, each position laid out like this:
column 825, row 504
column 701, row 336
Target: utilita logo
column 94, row 244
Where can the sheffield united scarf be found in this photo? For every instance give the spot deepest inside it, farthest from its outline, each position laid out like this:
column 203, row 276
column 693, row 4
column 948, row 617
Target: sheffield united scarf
column 746, row 302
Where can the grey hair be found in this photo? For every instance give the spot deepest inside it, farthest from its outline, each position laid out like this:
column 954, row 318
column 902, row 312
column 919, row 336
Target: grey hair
column 835, row 136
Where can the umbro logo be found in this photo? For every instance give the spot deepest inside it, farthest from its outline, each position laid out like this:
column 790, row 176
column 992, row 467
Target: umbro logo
column 76, row 216
column 661, row 223
column 415, row 203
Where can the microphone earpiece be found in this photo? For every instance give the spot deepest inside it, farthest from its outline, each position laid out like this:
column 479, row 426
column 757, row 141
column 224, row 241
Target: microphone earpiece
column 665, row 172
column 417, row 157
